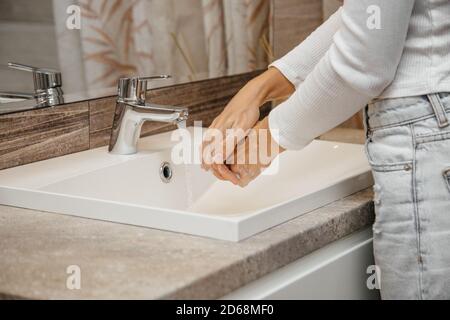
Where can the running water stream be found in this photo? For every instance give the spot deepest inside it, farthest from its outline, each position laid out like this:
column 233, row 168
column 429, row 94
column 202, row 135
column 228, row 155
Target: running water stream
column 188, row 177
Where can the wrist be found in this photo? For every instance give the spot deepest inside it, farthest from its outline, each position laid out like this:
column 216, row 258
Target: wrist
column 265, row 85
column 272, row 147
column 271, row 85
column 259, row 89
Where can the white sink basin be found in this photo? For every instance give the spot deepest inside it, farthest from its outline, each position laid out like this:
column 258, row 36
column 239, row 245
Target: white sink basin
column 129, row 189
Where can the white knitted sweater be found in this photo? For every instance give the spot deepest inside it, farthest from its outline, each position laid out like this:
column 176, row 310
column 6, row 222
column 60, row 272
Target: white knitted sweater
column 368, row 49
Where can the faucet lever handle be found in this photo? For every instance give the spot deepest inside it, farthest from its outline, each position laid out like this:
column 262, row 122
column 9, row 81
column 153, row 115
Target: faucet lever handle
column 160, row 77
column 44, row 79
column 24, row 67
column 143, row 84
column 21, row 67
column 134, row 89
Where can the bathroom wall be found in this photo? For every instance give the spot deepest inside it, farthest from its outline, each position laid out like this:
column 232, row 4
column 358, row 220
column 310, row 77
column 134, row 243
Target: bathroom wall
column 294, row 20
column 356, row 122
column 329, row 7
column 25, row 24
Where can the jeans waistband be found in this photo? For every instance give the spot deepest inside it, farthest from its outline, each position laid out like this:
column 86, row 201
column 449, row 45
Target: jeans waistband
column 400, row 111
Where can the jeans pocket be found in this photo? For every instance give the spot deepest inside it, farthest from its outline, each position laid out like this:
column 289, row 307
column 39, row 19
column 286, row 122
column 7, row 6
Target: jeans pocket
column 390, row 154
column 390, row 149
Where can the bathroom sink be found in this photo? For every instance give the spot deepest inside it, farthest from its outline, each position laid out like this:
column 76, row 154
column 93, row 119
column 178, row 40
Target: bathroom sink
column 148, row 189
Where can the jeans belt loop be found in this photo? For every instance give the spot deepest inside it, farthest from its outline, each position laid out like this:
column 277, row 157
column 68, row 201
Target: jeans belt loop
column 439, row 110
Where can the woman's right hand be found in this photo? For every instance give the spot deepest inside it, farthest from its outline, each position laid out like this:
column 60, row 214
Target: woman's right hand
column 231, row 127
column 241, row 113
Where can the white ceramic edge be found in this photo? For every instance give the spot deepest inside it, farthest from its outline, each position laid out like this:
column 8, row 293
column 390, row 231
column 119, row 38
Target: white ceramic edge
column 188, row 223
column 293, row 209
column 233, row 229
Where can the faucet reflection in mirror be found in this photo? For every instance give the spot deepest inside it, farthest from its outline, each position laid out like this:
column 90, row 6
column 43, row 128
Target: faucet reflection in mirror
column 194, row 39
column 47, row 86
column 132, row 111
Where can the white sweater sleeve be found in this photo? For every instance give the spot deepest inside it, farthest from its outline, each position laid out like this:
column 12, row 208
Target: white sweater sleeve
column 359, row 65
column 300, row 62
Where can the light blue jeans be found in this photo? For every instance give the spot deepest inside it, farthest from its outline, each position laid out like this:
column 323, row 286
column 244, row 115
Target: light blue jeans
column 408, row 146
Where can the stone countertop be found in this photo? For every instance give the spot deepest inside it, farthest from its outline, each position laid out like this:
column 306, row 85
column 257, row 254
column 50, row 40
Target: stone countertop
column 126, row 262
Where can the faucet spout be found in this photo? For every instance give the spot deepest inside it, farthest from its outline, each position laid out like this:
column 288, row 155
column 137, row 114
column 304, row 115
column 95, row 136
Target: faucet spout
column 132, row 111
column 129, row 119
column 160, row 113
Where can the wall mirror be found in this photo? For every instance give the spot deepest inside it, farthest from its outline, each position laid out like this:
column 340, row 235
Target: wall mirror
column 93, row 43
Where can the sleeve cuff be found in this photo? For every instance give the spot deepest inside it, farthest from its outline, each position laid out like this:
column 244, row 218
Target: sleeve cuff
column 322, row 101
column 288, row 72
column 281, row 138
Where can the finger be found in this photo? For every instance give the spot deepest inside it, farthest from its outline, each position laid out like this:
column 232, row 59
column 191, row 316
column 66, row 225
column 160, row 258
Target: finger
column 211, row 142
column 221, row 172
column 206, row 157
column 245, row 181
column 234, row 137
column 226, row 173
column 217, row 174
column 248, row 174
column 240, row 154
column 208, row 149
column 240, row 172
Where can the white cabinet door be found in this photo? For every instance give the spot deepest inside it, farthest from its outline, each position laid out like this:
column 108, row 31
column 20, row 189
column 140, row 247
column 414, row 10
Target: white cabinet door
column 342, row 270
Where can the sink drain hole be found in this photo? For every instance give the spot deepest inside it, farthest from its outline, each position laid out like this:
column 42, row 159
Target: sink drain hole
column 166, row 172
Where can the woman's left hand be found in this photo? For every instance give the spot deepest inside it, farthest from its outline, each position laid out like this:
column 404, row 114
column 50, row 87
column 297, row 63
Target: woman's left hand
column 254, row 155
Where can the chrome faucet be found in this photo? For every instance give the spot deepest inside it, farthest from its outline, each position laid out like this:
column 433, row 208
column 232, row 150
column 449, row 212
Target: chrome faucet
column 132, row 111
column 47, row 86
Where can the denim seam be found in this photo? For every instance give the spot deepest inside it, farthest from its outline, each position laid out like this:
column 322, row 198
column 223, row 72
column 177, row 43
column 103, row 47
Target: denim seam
column 392, row 167
column 447, row 177
column 403, row 123
column 437, row 136
column 366, row 122
column 416, row 212
column 406, row 122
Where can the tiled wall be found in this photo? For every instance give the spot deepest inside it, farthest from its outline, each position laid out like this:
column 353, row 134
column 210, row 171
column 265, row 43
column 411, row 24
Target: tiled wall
column 293, row 22
column 47, row 133
column 37, row 135
column 330, row 6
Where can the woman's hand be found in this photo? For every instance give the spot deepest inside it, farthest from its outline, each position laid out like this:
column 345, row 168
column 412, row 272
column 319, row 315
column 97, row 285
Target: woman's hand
column 234, row 124
column 241, row 113
column 255, row 154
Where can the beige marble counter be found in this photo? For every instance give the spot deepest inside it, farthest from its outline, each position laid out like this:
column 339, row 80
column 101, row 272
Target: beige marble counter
column 125, row 262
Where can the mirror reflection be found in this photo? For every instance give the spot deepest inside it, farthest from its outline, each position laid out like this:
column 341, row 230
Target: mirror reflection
column 93, row 43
